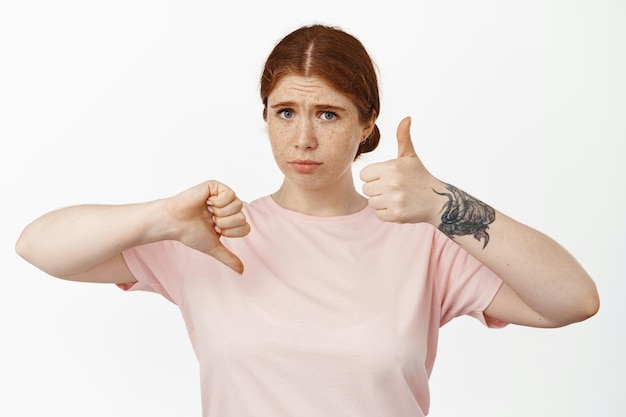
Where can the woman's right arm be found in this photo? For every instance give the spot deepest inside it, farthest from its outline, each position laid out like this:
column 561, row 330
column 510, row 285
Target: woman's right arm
column 84, row 243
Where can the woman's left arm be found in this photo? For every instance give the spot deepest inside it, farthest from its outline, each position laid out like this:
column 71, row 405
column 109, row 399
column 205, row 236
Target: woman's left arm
column 544, row 286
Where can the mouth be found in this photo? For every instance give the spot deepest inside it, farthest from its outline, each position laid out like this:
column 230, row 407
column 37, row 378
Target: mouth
column 304, row 166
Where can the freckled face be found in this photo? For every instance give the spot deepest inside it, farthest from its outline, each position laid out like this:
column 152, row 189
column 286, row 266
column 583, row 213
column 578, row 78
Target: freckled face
column 314, row 131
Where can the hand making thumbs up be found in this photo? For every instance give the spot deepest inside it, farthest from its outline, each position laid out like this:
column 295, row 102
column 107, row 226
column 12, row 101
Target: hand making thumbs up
column 401, row 189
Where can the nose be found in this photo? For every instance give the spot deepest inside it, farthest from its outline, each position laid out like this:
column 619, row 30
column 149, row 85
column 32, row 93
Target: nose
column 305, row 136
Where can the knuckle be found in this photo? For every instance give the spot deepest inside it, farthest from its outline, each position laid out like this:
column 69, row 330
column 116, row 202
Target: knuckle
column 225, row 196
column 219, row 222
column 237, row 204
column 399, row 200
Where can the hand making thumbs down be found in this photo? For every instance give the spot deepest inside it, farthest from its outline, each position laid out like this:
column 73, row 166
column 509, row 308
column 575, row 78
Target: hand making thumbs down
column 203, row 214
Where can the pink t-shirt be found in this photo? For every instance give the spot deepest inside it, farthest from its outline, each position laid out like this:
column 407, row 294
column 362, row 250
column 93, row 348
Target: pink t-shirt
column 333, row 316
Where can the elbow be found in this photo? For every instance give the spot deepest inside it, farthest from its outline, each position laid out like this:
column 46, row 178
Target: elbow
column 573, row 308
column 24, row 248
column 589, row 300
column 21, row 246
column 586, row 306
column 590, row 305
column 27, row 249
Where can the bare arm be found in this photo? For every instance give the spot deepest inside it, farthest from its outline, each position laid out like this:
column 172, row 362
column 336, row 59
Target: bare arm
column 84, row 243
column 72, row 241
column 543, row 286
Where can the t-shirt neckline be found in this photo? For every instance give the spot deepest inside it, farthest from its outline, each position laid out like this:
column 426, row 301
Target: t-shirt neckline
column 276, row 208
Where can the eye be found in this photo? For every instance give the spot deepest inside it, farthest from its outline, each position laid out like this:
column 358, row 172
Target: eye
column 285, row 113
column 329, row 115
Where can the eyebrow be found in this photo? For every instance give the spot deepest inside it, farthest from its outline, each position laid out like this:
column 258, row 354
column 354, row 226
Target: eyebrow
column 289, row 104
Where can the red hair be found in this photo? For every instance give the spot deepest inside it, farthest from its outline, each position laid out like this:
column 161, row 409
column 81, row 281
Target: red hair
column 335, row 56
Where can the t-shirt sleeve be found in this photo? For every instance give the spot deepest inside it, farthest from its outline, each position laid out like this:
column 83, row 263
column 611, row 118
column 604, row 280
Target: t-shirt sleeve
column 157, row 267
column 465, row 286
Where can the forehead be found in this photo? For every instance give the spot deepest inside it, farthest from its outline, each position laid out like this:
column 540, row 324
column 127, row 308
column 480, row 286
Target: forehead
column 297, row 88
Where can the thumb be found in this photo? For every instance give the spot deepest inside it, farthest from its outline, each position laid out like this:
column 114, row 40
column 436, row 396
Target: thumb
column 222, row 254
column 405, row 145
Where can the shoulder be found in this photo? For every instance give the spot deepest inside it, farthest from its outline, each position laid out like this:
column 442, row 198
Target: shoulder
column 257, row 206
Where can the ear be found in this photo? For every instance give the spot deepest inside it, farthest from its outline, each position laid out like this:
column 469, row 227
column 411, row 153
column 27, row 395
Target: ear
column 368, row 126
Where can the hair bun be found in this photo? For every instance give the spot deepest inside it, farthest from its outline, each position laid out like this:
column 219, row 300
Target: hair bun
column 370, row 143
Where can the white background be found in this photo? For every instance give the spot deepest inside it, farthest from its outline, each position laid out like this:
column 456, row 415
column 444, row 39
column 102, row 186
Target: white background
column 522, row 104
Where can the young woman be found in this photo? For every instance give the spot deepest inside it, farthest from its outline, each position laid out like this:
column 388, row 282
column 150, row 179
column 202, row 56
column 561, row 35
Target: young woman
column 338, row 308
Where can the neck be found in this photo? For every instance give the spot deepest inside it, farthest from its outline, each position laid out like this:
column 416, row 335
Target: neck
column 337, row 200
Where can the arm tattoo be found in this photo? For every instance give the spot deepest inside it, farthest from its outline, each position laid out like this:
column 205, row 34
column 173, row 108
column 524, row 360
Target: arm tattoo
column 465, row 215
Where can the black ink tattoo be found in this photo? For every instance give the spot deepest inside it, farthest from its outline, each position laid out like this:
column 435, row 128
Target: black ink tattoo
column 465, row 215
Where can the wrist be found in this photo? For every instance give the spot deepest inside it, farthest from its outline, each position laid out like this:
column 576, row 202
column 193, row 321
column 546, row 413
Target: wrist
column 462, row 214
column 439, row 202
column 159, row 223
